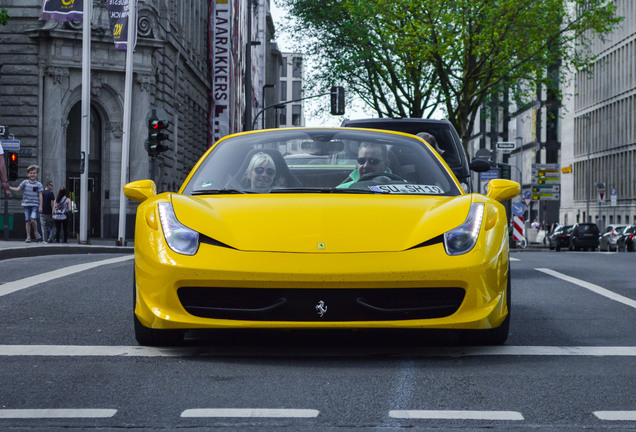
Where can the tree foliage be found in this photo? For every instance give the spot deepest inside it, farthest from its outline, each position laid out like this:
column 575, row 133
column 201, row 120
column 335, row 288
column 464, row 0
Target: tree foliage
column 409, row 58
column 4, row 16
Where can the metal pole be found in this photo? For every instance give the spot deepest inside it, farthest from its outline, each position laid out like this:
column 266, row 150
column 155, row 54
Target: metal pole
column 588, row 187
column 5, row 198
column 125, row 145
column 86, row 118
column 266, row 86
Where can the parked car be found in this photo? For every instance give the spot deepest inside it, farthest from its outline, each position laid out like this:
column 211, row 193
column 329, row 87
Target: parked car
column 584, row 236
column 446, row 141
column 560, row 237
column 627, row 240
column 607, row 240
column 249, row 242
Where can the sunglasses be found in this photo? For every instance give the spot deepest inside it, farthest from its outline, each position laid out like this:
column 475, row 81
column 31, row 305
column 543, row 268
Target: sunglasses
column 371, row 161
column 260, row 170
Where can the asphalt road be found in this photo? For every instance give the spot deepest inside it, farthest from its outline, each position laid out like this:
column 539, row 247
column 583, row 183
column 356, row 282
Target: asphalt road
column 68, row 360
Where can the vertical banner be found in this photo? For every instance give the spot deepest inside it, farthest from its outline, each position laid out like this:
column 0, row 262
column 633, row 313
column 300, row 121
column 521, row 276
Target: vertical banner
column 220, row 24
column 62, row 10
column 118, row 11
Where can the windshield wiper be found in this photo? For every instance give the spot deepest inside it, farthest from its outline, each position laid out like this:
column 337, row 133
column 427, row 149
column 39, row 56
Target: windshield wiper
column 219, row 191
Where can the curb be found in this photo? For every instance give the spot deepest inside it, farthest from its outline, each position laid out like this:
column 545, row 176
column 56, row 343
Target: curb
column 61, row 250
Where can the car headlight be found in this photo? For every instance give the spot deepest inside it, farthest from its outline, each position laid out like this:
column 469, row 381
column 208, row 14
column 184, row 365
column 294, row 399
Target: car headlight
column 179, row 237
column 462, row 239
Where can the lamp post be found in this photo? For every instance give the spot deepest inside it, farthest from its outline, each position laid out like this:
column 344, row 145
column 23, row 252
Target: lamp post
column 248, row 66
column 266, row 86
column 588, row 171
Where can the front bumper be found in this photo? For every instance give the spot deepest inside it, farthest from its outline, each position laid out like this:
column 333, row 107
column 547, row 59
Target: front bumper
column 462, row 292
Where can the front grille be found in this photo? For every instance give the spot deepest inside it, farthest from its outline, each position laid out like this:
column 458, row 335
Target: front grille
column 305, row 304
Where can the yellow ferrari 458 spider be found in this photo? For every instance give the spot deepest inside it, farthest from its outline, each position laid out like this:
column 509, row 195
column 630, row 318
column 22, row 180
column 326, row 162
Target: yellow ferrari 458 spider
column 321, row 228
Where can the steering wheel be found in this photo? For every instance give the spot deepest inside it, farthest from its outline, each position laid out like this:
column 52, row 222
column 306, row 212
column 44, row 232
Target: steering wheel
column 373, row 175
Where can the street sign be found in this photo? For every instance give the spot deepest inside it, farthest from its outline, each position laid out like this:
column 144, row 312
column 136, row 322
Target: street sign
column 550, row 166
column 546, row 188
column 10, row 145
column 546, row 196
column 2, row 130
column 485, row 177
column 506, row 147
column 518, row 209
column 613, row 197
column 527, row 197
column 600, row 196
column 546, row 192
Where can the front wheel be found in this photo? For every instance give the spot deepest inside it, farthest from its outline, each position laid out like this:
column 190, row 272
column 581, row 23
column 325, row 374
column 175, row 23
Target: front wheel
column 153, row 337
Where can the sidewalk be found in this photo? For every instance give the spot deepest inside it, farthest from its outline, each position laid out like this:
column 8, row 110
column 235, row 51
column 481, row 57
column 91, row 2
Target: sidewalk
column 14, row 248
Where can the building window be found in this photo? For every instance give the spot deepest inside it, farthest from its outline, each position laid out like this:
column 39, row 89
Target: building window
column 296, row 110
column 283, row 67
column 297, row 67
column 283, row 91
column 282, row 116
column 296, row 89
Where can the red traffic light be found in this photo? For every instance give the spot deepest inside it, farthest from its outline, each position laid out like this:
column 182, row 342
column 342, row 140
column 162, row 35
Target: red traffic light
column 158, row 124
column 13, row 157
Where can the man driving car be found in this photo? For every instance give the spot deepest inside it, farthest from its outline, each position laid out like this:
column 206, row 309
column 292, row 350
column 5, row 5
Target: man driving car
column 371, row 158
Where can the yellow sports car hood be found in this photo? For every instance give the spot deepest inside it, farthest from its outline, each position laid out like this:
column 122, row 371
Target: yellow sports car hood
column 325, row 223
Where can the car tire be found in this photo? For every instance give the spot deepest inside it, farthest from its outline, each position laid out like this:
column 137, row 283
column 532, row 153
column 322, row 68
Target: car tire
column 495, row 336
column 152, row 337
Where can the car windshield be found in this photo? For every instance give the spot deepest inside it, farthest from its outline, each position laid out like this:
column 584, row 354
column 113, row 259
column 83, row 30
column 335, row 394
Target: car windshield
column 321, row 160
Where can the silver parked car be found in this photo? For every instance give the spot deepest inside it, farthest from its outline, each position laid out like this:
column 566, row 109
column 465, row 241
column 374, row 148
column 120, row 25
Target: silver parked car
column 607, row 240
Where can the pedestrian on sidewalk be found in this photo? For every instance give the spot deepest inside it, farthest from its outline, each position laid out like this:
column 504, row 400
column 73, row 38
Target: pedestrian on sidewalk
column 61, row 210
column 46, row 217
column 31, row 201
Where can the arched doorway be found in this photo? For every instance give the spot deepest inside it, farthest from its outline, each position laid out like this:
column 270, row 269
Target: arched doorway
column 73, row 173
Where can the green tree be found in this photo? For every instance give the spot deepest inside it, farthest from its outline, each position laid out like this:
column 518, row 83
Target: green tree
column 408, row 58
column 4, row 16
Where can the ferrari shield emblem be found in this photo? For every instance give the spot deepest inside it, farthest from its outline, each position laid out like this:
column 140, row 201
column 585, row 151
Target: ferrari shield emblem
column 322, row 246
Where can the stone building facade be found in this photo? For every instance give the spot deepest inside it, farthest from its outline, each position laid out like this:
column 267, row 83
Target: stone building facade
column 40, row 100
column 599, row 131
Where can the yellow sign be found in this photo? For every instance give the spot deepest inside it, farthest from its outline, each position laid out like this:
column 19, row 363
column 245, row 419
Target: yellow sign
column 567, row 169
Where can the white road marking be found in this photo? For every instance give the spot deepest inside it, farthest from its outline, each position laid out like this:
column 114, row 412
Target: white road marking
column 514, row 259
column 11, row 287
column 456, row 415
column 250, row 412
column 590, row 286
column 200, row 351
column 56, row 413
column 616, row 415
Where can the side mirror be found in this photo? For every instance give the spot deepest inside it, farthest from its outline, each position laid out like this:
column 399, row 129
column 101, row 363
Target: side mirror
column 479, row 165
column 140, row 190
column 503, row 190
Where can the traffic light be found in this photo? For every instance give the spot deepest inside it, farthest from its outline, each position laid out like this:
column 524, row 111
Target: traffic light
column 12, row 169
column 156, row 133
column 337, row 100
column 504, row 171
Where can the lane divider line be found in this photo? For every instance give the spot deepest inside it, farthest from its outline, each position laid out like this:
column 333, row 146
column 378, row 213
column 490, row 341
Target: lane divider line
column 616, row 415
column 590, row 286
column 11, row 287
column 250, row 413
column 56, row 413
column 456, row 415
